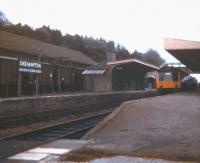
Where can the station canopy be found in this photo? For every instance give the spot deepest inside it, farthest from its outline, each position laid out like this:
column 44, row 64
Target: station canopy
column 102, row 67
column 147, row 66
column 187, row 52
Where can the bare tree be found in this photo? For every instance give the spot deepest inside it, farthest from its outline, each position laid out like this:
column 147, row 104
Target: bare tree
column 153, row 57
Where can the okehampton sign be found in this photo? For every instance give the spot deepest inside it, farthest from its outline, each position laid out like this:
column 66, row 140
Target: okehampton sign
column 32, row 67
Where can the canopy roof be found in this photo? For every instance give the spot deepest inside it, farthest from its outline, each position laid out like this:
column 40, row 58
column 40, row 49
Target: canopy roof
column 103, row 66
column 148, row 66
column 187, row 52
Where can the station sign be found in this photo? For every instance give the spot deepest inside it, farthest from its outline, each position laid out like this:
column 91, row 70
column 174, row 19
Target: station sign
column 29, row 66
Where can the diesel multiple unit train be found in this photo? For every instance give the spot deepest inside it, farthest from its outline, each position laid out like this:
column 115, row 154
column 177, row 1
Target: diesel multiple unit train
column 171, row 80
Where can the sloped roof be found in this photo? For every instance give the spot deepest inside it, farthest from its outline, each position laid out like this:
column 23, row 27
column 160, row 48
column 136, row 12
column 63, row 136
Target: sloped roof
column 121, row 62
column 24, row 44
column 105, row 65
column 170, row 67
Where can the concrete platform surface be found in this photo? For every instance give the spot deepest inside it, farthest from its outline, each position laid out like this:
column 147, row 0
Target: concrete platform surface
column 164, row 127
column 125, row 159
column 49, row 152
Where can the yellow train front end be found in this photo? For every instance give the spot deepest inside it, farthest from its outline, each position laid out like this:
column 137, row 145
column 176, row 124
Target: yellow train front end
column 168, row 80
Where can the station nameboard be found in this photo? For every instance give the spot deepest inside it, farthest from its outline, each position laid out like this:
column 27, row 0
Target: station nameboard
column 32, row 67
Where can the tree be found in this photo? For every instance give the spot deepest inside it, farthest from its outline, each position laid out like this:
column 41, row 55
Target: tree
column 122, row 52
column 153, row 57
column 110, row 46
column 94, row 48
column 137, row 55
column 56, row 37
column 43, row 34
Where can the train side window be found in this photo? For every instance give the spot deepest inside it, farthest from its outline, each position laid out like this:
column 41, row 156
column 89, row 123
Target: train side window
column 175, row 76
column 161, row 76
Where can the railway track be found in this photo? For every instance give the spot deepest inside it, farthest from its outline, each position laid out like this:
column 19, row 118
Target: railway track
column 71, row 129
column 30, row 118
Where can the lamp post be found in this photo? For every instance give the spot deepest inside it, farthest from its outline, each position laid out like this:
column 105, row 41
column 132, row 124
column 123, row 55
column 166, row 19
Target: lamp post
column 37, row 76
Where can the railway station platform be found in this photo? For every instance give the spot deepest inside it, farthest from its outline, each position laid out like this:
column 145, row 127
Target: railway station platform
column 165, row 127
column 157, row 129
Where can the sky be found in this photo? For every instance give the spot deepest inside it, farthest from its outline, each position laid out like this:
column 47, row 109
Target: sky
column 135, row 24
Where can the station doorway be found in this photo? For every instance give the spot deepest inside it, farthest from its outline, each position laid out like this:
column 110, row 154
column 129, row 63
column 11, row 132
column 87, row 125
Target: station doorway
column 150, row 82
column 28, row 83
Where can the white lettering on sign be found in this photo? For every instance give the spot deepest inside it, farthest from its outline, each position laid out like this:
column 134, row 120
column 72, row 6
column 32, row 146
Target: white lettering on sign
column 30, row 64
column 33, row 67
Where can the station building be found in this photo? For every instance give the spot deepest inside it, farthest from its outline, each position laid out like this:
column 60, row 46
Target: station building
column 31, row 67
column 118, row 75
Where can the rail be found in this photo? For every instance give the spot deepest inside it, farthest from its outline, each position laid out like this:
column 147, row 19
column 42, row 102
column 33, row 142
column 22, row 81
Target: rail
column 17, row 143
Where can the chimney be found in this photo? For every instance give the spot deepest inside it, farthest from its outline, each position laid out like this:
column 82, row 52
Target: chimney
column 111, row 57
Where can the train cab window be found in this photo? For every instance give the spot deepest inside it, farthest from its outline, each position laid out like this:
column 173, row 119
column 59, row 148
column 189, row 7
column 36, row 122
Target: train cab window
column 168, row 76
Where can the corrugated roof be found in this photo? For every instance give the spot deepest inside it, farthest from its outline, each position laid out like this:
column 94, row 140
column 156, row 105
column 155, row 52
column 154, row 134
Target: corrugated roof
column 24, row 44
column 170, row 67
column 93, row 72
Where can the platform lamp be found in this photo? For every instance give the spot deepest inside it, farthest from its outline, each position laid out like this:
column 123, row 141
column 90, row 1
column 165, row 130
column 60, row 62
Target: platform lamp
column 19, row 78
column 37, row 75
column 51, row 81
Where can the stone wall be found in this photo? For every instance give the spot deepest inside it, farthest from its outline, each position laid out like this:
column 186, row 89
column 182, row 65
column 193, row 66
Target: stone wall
column 13, row 106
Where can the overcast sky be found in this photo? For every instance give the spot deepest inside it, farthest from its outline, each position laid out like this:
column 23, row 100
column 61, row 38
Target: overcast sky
column 136, row 24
